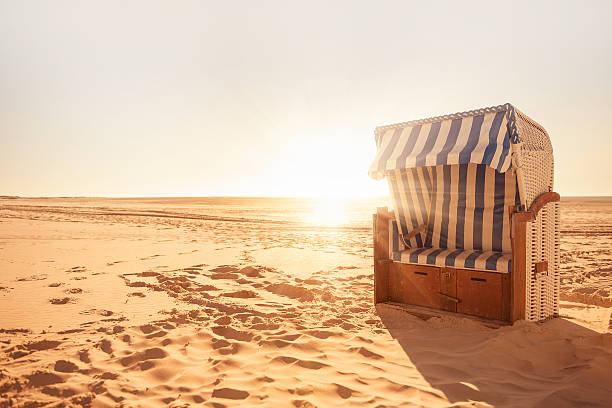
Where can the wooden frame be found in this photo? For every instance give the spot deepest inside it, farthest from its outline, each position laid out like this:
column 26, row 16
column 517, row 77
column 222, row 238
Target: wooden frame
column 485, row 294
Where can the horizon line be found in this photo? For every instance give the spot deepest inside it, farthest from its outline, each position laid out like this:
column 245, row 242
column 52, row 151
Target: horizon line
column 9, row 197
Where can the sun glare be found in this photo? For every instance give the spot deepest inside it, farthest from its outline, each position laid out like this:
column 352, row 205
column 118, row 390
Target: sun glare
column 328, row 211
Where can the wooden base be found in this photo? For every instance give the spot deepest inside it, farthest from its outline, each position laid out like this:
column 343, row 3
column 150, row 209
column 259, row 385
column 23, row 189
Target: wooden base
column 476, row 293
column 483, row 294
column 486, row 294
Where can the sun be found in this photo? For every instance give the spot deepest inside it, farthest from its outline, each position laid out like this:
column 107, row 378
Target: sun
column 328, row 211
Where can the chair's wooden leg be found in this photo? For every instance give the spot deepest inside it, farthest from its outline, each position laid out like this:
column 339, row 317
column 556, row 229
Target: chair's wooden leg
column 381, row 255
column 506, row 296
column 519, row 274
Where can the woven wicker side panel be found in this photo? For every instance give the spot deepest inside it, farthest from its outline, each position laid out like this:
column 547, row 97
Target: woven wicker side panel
column 543, row 237
column 531, row 291
column 537, row 165
column 548, row 253
column 535, row 293
column 556, row 226
column 543, row 246
column 533, row 135
column 537, row 173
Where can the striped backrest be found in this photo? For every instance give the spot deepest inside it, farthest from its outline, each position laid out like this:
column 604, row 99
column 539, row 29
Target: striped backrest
column 411, row 192
column 466, row 206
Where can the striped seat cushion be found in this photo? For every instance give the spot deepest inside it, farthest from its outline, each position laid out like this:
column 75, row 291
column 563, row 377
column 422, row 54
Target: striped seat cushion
column 457, row 258
column 444, row 257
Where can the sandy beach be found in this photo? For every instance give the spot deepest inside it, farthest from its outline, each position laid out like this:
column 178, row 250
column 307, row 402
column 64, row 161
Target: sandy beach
column 149, row 259
column 257, row 302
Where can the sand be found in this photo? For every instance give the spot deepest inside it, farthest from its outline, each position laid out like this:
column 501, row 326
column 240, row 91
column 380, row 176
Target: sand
column 161, row 302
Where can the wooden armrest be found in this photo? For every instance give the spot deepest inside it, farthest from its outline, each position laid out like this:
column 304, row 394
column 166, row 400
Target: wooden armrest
column 383, row 212
column 542, row 200
column 536, row 206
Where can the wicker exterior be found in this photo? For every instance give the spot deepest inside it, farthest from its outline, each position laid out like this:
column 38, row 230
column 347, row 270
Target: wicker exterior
column 534, row 161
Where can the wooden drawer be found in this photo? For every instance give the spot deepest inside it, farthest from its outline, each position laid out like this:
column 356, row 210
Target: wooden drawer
column 480, row 294
column 415, row 285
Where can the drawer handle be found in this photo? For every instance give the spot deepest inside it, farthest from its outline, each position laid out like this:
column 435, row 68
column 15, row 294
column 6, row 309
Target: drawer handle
column 478, row 279
column 420, row 273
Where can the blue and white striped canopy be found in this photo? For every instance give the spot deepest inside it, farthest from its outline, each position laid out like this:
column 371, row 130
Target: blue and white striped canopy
column 480, row 137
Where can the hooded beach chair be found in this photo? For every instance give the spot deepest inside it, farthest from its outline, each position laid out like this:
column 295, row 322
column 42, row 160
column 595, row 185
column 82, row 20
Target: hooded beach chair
column 475, row 222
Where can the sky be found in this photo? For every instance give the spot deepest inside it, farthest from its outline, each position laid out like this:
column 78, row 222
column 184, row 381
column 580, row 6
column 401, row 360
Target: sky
column 280, row 98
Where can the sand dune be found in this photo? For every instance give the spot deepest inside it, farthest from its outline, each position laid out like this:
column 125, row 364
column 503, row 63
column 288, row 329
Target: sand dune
column 100, row 309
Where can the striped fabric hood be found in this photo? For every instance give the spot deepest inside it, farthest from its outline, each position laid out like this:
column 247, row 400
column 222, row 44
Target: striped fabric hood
column 481, row 136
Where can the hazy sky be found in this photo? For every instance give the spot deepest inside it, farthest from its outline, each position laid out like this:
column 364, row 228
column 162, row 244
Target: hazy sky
column 280, row 98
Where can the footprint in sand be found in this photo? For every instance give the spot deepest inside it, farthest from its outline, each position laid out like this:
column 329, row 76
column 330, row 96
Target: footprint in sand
column 366, row 353
column 207, row 288
column 146, row 274
column 265, row 378
column 225, row 347
column 332, row 322
column 230, row 393
column 60, row 392
column 105, row 346
column 100, row 312
column 138, row 284
column 294, row 292
column 160, row 333
column 61, row 301
column 64, row 366
column 224, row 275
column 149, row 328
column 22, row 350
column 279, row 343
column 109, row 376
column 150, row 257
column 309, row 364
column 84, row 356
column 16, row 354
column 42, row 345
column 154, row 353
column 223, row 321
column 321, row 334
column 343, row 392
column 43, row 378
column 242, row 294
column 288, row 337
column 233, row 334
column 32, row 278
column 73, row 291
column 342, row 268
column 251, row 272
column 70, row 331
column 224, row 268
column 303, row 404
column 194, row 270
